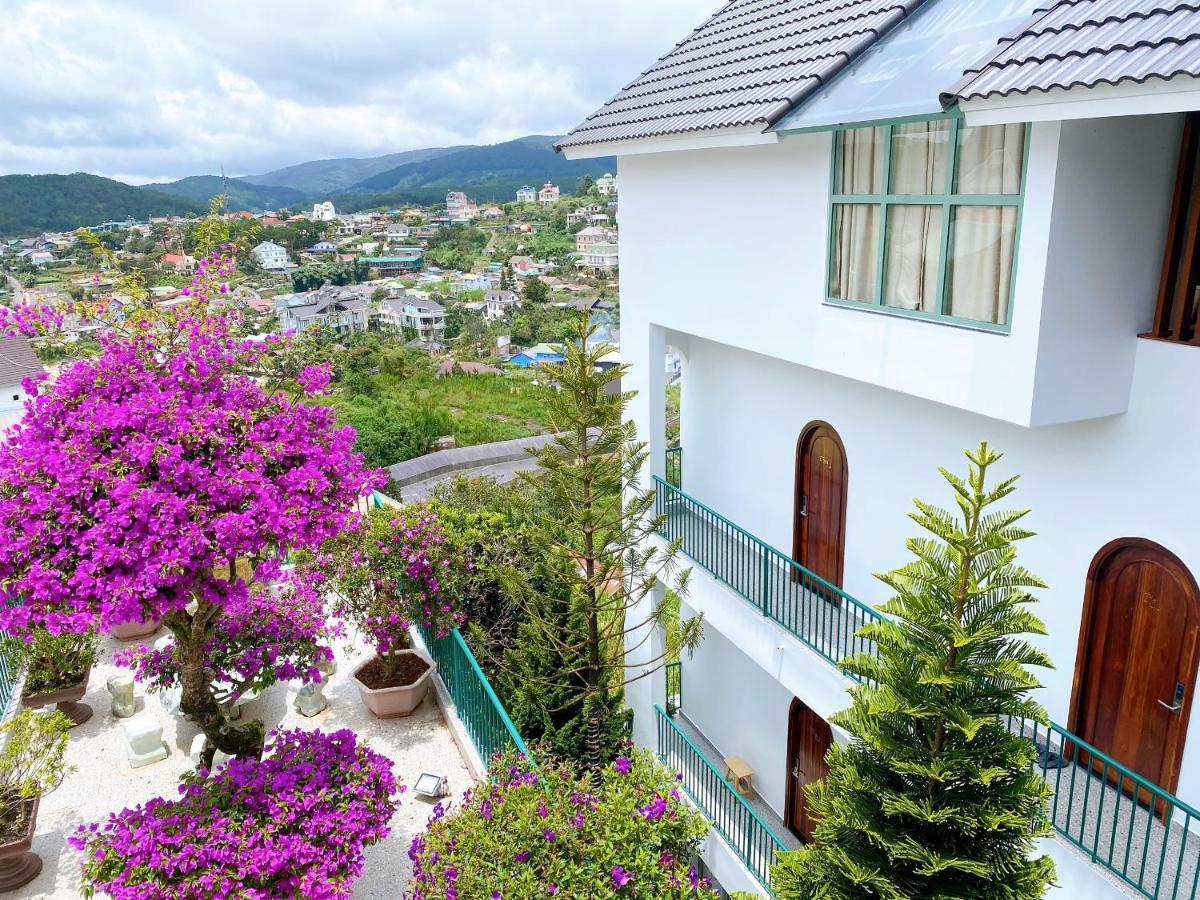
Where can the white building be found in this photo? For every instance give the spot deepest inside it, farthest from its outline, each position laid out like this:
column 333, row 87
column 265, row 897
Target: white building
column 527, row 195
column 606, row 184
column 498, row 304
column 426, row 317
column 17, row 362
column 1016, row 266
column 548, row 194
column 458, row 206
column 271, row 256
column 323, row 212
column 599, row 257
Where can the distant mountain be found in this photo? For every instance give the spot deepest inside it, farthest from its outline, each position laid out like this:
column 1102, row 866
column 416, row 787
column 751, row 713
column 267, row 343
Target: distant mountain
column 30, row 204
column 242, row 194
column 487, row 174
column 322, row 177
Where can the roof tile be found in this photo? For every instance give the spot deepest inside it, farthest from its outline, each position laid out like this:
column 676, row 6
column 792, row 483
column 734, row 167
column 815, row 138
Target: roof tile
column 748, row 64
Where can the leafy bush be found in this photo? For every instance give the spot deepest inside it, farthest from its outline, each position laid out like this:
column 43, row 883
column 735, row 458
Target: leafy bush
column 50, row 662
column 31, row 765
column 292, row 825
column 629, row 834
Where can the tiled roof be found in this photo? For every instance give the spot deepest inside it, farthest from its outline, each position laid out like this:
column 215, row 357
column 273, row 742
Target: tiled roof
column 747, row 65
column 1083, row 43
column 17, row 360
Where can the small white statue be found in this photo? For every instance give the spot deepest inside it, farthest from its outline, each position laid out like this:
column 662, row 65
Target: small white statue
column 143, row 740
column 310, row 699
column 120, row 685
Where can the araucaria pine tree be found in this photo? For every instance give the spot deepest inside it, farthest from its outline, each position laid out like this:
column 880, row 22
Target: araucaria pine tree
column 935, row 796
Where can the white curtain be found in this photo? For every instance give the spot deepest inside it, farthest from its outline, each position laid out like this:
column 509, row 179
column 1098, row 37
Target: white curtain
column 983, row 238
column 856, row 225
column 855, row 252
column 919, row 154
column 914, row 249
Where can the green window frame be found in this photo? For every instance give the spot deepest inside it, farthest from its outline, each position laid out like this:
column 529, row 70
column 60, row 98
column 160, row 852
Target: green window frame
column 947, row 199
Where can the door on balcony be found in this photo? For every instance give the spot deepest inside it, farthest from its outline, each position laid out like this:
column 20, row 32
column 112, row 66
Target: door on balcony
column 1136, row 665
column 819, row 530
column 809, row 739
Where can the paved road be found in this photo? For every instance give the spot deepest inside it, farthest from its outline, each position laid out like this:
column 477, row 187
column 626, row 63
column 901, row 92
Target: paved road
column 500, row 472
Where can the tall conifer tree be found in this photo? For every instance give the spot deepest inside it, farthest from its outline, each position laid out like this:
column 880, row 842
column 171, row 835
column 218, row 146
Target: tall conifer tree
column 935, row 796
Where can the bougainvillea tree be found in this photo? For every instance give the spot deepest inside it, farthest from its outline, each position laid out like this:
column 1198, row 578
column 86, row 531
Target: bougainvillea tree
column 389, row 575
column 627, row 833
column 153, row 481
column 294, row 824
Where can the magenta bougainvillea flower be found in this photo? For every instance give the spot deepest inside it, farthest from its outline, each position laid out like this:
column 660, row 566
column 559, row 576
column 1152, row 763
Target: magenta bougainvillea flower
column 295, row 824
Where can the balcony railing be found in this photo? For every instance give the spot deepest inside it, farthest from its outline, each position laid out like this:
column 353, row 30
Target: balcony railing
column 675, row 467
column 824, row 617
column 481, row 712
column 1140, row 833
column 731, row 816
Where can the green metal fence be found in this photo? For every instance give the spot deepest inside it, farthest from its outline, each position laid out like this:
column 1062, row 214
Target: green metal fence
column 675, row 466
column 480, row 710
column 824, row 617
column 674, row 698
column 1124, row 823
column 731, row 816
column 1143, row 835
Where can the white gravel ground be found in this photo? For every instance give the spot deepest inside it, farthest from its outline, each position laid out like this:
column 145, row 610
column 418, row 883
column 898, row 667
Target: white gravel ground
column 104, row 782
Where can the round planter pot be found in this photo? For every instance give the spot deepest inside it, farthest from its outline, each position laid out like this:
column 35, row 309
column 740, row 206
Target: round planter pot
column 66, row 700
column 135, row 628
column 391, row 702
column 18, row 864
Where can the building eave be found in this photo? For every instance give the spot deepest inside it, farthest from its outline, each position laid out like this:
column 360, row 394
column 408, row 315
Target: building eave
column 1154, row 96
column 697, row 140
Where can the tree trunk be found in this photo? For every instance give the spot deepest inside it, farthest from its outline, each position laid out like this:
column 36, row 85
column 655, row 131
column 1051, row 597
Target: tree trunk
column 191, row 632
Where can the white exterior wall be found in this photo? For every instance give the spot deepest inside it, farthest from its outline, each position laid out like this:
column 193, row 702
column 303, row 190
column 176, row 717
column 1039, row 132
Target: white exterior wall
column 774, row 200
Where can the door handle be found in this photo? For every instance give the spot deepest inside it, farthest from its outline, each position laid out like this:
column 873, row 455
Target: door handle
column 1173, row 708
column 796, row 767
column 804, row 504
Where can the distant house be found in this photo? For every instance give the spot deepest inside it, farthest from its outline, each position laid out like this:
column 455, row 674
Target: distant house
column 271, row 256
column 397, row 231
column 342, row 309
column 499, row 303
column 492, row 212
column 180, row 262
column 323, row 212
column 527, row 195
column 426, row 317
column 524, row 266
column 323, row 247
column 398, row 262
column 17, row 362
column 270, row 220
column 548, row 193
column 589, row 236
column 458, row 206
column 606, row 184
column 599, row 258
column 539, row 355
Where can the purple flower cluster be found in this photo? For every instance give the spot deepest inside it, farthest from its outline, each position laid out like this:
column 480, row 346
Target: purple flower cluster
column 136, row 473
column 523, row 836
column 293, row 825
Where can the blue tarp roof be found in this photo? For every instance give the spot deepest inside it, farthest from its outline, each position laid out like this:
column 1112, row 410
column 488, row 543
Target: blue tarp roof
column 904, row 74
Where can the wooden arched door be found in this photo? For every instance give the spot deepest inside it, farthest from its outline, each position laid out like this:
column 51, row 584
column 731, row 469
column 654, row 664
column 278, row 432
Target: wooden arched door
column 809, row 739
column 822, row 478
column 1135, row 672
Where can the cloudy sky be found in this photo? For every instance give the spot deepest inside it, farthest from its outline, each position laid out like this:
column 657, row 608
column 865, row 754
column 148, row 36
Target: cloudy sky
column 147, row 90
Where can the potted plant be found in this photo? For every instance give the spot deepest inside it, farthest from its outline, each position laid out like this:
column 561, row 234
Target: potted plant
column 32, row 765
column 134, row 629
column 56, row 668
column 388, row 577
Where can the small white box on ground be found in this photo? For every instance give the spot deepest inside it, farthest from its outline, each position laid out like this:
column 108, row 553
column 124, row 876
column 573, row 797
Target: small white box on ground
column 143, row 740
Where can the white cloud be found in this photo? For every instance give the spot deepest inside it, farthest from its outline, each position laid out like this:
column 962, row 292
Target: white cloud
column 146, row 90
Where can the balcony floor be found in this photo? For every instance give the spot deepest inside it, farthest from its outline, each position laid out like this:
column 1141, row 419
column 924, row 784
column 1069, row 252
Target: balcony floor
column 756, row 803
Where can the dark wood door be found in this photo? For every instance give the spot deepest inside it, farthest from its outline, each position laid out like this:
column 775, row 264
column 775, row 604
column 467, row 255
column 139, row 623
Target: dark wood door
column 1136, row 667
column 819, row 533
column 809, row 739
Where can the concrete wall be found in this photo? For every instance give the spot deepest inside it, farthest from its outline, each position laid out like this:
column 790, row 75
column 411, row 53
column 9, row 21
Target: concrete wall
column 1087, row 483
column 1099, row 206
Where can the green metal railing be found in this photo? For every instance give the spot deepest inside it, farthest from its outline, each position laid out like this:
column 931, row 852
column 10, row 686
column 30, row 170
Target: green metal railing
column 480, row 710
column 823, row 616
column 674, row 470
column 1146, row 837
column 1142, row 834
column 731, row 816
column 674, row 698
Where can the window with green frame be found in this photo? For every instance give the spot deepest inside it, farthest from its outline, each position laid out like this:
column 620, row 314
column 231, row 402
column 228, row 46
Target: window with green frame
column 924, row 218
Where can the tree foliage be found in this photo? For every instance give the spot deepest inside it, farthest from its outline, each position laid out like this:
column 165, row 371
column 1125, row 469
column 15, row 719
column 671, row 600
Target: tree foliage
column 935, row 797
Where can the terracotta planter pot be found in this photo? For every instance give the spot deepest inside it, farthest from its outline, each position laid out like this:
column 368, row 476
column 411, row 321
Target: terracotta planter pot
column 392, row 702
column 18, row 864
column 128, row 631
column 65, row 699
